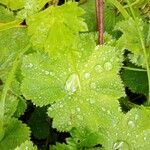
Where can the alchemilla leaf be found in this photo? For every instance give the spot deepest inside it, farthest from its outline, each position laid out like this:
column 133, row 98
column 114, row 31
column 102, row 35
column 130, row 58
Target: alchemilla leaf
column 15, row 134
column 50, row 29
column 131, row 39
column 131, row 132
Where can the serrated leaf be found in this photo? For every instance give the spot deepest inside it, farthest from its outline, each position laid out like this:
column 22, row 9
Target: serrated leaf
column 38, row 123
column 6, row 15
column 15, row 134
column 68, row 79
column 27, row 145
column 10, row 105
column 136, row 81
column 131, row 40
column 49, row 74
column 30, row 7
column 56, row 29
column 12, row 43
column 21, row 107
column 131, row 132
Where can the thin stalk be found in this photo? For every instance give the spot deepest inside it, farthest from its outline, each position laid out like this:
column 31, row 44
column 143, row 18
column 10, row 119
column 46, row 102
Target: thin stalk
column 7, row 85
column 143, row 48
column 121, row 9
column 134, row 69
column 100, row 20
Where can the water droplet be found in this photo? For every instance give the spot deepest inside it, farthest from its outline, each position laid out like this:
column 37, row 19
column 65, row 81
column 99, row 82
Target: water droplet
column 72, row 83
column 93, row 86
column 121, row 145
column 108, row 66
column 92, row 101
column 78, row 109
column 131, row 124
column 87, row 75
column 108, row 112
column 97, row 47
column 98, row 68
column 47, row 72
column 26, row 148
column 30, row 65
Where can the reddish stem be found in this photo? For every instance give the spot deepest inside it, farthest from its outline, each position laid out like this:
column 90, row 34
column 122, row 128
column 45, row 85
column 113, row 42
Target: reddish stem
column 100, row 20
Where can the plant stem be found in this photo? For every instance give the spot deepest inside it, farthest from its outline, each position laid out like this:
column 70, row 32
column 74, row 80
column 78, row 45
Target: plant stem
column 121, row 9
column 100, row 20
column 134, row 69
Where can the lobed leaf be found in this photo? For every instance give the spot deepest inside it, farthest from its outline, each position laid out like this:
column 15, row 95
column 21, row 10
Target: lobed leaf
column 15, row 134
column 51, row 30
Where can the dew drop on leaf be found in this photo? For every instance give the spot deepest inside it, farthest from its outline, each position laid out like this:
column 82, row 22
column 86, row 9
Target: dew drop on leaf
column 72, row 84
column 92, row 101
column 87, row 75
column 108, row 66
column 131, row 124
column 97, row 47
column 47, row 72
column 30, row 65
column 93, row 86
column 121, row 145
column 98, row 68
column 78, row 109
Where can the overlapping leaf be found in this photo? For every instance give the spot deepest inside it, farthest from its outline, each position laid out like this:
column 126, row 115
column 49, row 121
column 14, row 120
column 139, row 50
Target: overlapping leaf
column 131, row 40
column 131, row 132
column 15, row 134
column 12, row 43
column 56, row 28
column 14, row 5
column 30, row 7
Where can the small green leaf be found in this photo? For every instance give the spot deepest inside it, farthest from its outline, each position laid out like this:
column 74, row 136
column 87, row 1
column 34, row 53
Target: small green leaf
column 15, row 134
column 39, row 124
column 136, row 81
column 6, row 15
column 131, row 40
column 31, row 7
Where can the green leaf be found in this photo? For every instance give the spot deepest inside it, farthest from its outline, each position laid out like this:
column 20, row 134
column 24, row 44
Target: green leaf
column 131, row 40
column 84, row 139
column 39, row 124
column 55, row 28
column 31, row 7
column 90, row 14
column 14, row 5
column 12, row 43
column 6, row 15
column 21, row 107
column 27, row 145
column 10, row 106
column 131, row 132
column 15, row 134
column 49, row 74
column 136, row 81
